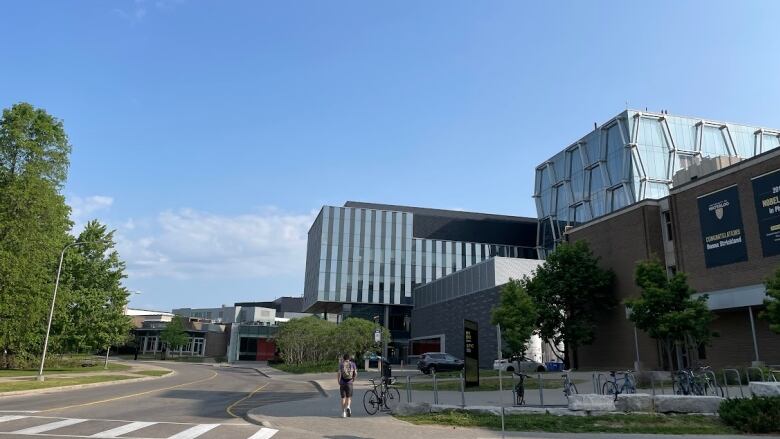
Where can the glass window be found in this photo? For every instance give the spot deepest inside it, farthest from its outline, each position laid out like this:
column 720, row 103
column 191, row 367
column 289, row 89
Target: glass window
column 712, row 142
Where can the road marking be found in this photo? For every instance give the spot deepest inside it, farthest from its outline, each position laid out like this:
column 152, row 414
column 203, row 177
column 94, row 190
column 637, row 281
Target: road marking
column 194, row 432
column 7, row 418
column 230, row 407
column 18, row 411
column 124, row 429
column 131, row 395
column 264, row 433
column 50, row 426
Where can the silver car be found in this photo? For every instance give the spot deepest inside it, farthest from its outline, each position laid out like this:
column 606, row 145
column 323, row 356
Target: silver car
column 519, row 365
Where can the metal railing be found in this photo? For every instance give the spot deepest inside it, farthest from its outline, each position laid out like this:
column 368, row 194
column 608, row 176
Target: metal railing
column 726, row 381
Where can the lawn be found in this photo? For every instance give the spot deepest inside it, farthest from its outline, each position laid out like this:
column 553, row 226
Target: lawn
column 488, row 380
column 31, row 384
column 112, row 367
column 661, row 424
column 324, row 367
column 153, row 373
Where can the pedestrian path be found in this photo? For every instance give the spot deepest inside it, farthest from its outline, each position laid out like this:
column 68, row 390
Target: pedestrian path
column 24, row 424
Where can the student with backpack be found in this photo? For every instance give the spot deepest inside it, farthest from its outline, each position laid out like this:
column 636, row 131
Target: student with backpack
column 347, row 374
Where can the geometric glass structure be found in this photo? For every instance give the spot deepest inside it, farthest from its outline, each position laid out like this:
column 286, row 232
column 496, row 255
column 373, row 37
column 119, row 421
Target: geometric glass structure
column 630, row 158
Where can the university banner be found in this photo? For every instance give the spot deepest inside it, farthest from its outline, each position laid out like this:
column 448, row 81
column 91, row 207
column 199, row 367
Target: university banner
column 766, row 196
column 722, row 231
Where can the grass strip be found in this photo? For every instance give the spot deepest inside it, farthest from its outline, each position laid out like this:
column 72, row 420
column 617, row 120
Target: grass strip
column 628, row 423
column 153, row 373
column 112, row 367
column 324, row 367
column 33, row 384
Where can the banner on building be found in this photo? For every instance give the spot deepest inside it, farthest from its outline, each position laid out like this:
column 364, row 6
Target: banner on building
column 766, row 196
column 722, row 231
column 471, row 353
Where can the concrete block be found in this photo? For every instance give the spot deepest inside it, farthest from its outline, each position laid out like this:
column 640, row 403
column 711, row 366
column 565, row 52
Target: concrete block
column 634, row 402
column 441, row 408
column 486, row 409
column 592, row 403
column 412, row 408
column 765, row 388
column 686, row 404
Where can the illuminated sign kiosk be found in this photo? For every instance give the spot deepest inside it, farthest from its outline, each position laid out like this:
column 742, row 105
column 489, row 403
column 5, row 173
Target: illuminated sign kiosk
column 471, row 353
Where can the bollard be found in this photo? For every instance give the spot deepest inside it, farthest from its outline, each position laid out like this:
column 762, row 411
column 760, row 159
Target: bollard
column 462, row 390
column 408, row 388
column 593, row 381
column 435, row 388
column 652, row 382
column 541, row 389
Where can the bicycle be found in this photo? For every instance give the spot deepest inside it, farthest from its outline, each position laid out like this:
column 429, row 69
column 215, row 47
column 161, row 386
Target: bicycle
column 685, row 382
column 381, row 395
column 709, row 383
column 520, row 388
column 613, row 388
column 568, row 385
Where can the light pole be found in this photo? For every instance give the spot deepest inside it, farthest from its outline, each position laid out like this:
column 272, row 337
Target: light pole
column 54, row 298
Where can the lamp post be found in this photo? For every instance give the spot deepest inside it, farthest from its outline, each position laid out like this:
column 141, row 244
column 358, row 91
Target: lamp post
column 54, row 298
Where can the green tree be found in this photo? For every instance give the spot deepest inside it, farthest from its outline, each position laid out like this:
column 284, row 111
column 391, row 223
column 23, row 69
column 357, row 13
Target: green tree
column 571, row 293
column 517, row 315
column 772, row 302
column 355, row 336
column 666, row 311
column 34, row 223
column 306, row 340
column 174, row 334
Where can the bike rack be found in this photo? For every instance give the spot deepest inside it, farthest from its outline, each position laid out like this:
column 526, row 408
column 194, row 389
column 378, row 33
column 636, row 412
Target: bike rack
column 408, row 388
column 760, row 373
column 462, row 391
column 541, row 389
column 714, row 380
column 435, row 388
column 599, row 385
column 726, row 381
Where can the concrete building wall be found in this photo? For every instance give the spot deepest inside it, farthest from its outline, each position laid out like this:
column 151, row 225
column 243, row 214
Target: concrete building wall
column 216, row 344
column 621, row 240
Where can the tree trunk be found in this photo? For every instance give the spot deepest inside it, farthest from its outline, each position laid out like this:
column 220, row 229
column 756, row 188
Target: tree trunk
column 566, row 355
column 668, row 346
column 105, row 365
column 679, row 351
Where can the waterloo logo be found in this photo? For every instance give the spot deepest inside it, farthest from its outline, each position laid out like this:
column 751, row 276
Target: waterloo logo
column 718, row 208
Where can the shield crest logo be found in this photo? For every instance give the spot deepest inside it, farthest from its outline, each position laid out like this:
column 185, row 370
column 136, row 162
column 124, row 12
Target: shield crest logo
column 719, row 213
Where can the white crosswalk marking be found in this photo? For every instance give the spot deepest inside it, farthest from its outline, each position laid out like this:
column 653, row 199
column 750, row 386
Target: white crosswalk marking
column 50, row 426
column 264, row 433
column 7, row 418
column 124, row 429
column 194, row 432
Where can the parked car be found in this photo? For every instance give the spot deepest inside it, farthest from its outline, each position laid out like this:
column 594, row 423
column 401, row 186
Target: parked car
column 438, row 362
column 519, row 364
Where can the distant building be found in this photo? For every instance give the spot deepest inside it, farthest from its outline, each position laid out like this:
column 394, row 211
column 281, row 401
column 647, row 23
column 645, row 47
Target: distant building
column 205, row 339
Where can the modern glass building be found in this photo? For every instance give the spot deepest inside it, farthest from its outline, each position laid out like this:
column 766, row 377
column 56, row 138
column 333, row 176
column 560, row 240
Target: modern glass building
column 366, row 259
column 634, row 156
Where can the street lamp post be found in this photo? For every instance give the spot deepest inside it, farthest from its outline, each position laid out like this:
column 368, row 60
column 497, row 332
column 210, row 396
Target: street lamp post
column 53, row 300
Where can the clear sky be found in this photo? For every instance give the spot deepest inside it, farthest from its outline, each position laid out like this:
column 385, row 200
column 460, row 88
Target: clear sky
column 208, row 133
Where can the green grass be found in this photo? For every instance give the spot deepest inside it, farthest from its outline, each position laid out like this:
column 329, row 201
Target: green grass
column 112, row 367
column 662, row 424
column 153, row 373
column 32, row 384
column 323, row 367
column 488, row 380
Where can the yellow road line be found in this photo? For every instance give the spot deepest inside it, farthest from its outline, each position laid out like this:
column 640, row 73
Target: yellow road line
column 230, row 407
column 131, row 395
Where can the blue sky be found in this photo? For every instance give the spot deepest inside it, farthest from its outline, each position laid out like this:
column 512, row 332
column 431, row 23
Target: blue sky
column 208, row 133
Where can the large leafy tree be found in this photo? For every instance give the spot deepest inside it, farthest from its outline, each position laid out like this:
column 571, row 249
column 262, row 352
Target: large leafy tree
column 772, row 302
column 517, row 315
column 571, row 293
column 667, row 312
column 34, row 223
column 174, row 334
column 355, row 336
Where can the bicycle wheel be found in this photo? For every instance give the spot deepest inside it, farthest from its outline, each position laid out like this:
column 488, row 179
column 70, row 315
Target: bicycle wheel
column 371, row 402
column 609, row 388
column 392, row 398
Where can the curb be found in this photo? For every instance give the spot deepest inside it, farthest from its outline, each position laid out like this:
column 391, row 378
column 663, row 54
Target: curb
column 318, row 386
column 81, row 386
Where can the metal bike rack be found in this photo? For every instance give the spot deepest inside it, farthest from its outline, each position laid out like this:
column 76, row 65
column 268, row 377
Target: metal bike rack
column 541, row 389
column 408, row 388
column 462, row 391
column 760, row 373
column 714, row 381
column 435, row 388
column 598, row 390
column 726, row 381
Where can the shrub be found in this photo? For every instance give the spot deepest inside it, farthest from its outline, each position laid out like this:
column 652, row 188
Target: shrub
column 755, row 415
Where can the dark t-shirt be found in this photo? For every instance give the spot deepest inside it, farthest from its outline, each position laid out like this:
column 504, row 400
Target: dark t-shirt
column 341, row 372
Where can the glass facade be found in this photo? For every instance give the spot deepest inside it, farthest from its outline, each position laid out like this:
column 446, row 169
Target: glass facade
column 358, row 255
column 628, row 159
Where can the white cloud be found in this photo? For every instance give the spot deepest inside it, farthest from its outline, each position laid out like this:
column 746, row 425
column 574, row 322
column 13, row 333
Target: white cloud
column 187, row 244
column 84, row 209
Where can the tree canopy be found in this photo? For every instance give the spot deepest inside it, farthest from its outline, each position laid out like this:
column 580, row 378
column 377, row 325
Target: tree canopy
column 772, row 302
column 666, row 311
column 174, row 334
column 517, row 315
column 571, row 293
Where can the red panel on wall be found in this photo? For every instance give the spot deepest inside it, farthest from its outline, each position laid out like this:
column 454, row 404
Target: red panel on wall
column 420, row 347
column 265, row 349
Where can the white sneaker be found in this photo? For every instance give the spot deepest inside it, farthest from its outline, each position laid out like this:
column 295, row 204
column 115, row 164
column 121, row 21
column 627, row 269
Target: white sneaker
column 344, row 414
column 349, row 412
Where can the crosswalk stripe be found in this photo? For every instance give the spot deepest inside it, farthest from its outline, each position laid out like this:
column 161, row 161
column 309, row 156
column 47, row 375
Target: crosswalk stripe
column 194, row 432
column 50, row 426
column 124, row 429
column 7, row 418
column 264, row 433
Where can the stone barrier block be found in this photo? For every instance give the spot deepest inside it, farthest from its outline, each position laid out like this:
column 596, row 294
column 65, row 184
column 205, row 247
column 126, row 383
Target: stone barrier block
column 592, row 403
column 765, row 388
column 634, row 402
column 441, row 408
column 412, row 408
column 686, row 404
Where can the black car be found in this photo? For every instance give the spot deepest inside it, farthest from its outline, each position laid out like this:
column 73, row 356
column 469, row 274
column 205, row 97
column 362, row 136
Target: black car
column 438, row 362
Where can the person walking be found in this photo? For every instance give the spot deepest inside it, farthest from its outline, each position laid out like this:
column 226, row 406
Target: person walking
column 346, row 376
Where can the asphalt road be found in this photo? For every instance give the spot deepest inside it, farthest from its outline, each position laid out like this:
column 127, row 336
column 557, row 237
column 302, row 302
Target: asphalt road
column 199, row 401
